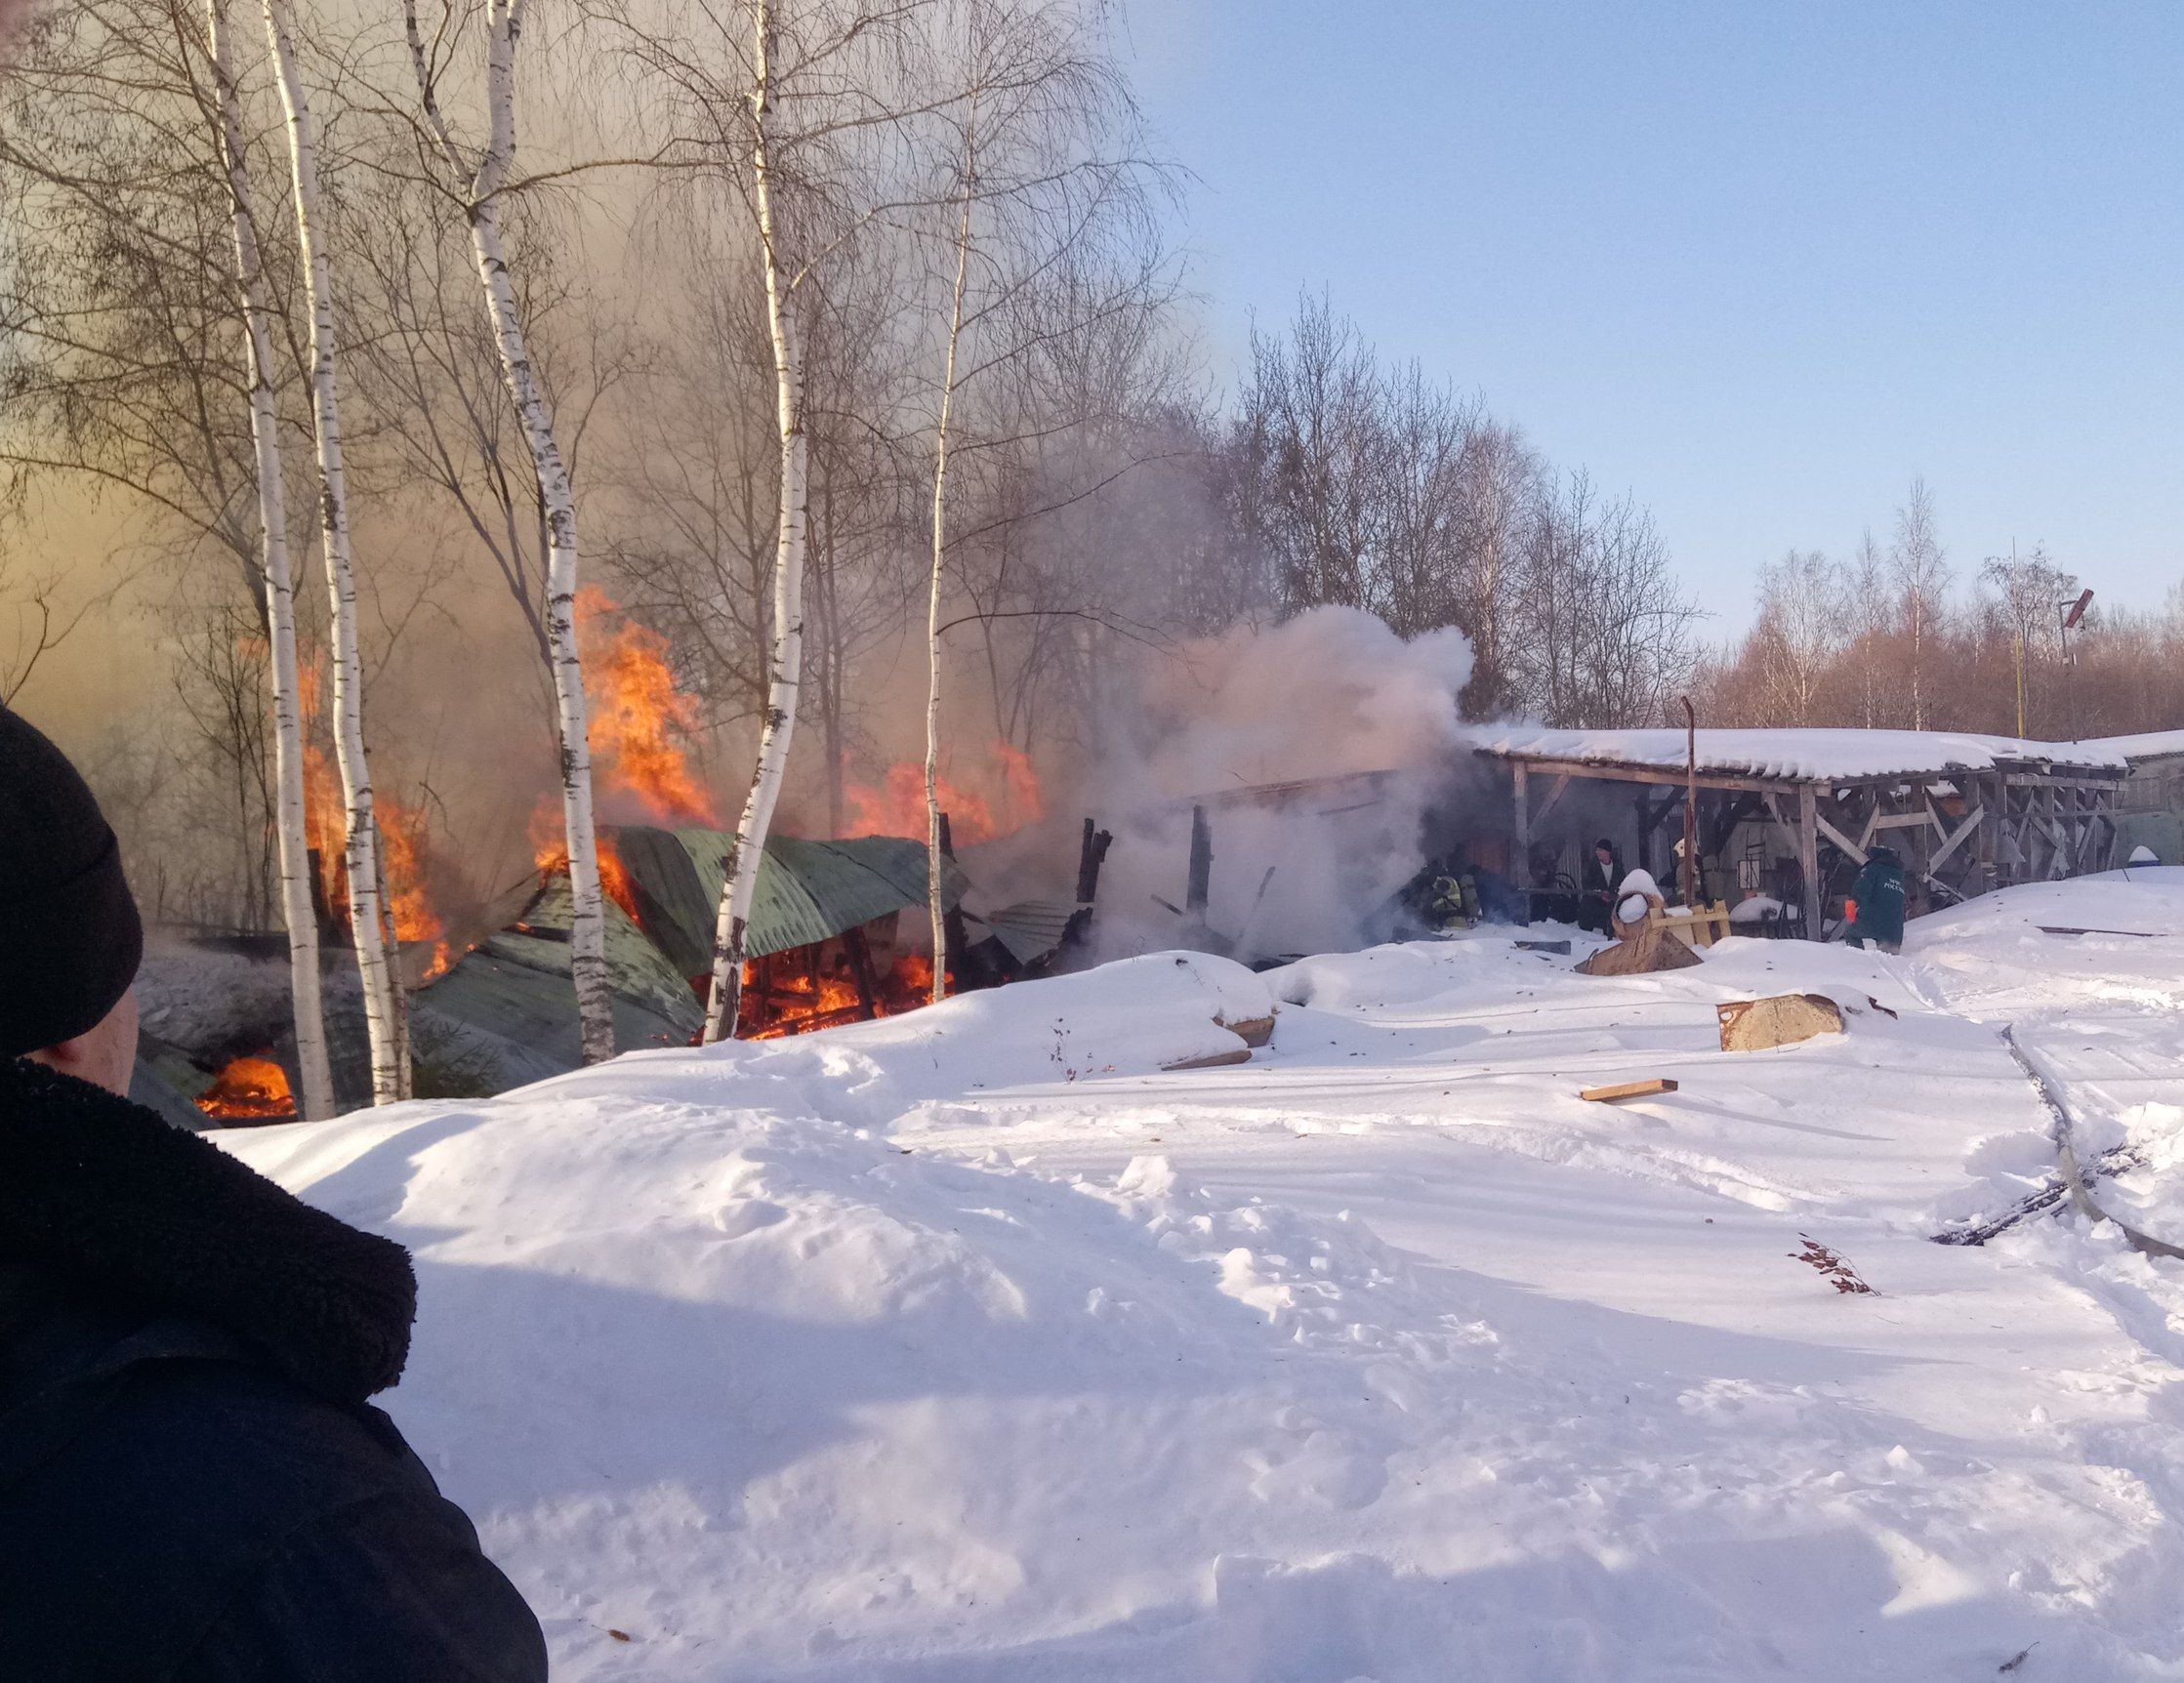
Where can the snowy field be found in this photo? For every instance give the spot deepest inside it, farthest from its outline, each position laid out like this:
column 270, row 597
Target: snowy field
column 971, row 1347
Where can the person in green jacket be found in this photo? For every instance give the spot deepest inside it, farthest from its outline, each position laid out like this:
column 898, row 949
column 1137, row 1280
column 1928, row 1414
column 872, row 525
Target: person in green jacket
column 1874, row 909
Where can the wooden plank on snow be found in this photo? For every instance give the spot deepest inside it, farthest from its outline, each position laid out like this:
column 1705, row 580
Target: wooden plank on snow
column 1627, row 1089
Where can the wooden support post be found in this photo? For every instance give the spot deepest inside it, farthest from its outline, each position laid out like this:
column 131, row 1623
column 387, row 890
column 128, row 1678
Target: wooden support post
column 860, row 969
column 1521, row 866
column 1690, row 872
column 1200, row 886
column 1808, row 855
column 1090, row 855
column 1992, row 801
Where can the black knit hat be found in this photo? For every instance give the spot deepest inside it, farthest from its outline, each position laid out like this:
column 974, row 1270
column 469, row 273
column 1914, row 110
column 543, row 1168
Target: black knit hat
column 70, row 936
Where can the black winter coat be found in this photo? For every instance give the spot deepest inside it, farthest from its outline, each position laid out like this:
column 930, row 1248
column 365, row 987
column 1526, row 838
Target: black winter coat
column 192, row 1488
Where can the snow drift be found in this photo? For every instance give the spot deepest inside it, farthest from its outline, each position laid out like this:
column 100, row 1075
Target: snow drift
column 968, row 1345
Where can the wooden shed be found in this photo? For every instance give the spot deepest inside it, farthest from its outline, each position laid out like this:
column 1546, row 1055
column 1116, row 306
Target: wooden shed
column 1968, row 814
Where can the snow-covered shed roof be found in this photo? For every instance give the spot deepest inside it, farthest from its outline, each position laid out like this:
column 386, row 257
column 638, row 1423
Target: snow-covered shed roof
column 2146, row 745
column 1792, row 755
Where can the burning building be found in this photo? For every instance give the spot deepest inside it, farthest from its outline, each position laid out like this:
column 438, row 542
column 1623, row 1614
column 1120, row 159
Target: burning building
column 824, row 947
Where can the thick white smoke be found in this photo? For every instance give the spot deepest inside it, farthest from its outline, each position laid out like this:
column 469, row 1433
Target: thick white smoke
column 1329, row 692
column 1322, row 700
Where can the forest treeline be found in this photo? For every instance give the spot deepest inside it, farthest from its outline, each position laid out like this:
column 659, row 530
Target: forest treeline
column 845, row 346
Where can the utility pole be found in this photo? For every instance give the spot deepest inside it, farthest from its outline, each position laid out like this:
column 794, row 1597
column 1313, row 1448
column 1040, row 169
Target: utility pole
column 2070, row 613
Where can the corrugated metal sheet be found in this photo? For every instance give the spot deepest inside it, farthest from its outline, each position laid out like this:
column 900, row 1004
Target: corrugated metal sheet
column 507, row 1013
column 1031, row 929
column 808, row 890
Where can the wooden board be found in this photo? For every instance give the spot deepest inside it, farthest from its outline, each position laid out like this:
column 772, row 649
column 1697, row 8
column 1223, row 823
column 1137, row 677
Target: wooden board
column 1779, row 1020
column 1629, row 1090
column 1212, row 1060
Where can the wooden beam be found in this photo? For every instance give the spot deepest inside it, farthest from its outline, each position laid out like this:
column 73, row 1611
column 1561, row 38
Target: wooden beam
column 1521, row 874
column 1873, row 821
column 1832, row 833
column 1545, row 764
column 1554, row 794
column 1951, row 843
column 1808, row 856
column 1627, row 1089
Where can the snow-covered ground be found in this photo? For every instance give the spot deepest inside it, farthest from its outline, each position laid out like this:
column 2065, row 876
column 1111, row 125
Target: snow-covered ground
column 972, row 1346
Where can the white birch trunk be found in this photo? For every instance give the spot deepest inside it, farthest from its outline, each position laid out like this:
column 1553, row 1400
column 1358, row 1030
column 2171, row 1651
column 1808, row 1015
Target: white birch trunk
column 316, row 1100
column 935, row 897
column 784, row 678
column 367, row 913
column 504, row 25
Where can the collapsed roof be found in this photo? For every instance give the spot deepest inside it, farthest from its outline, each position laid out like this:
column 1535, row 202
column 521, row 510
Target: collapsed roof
column 506, row 1013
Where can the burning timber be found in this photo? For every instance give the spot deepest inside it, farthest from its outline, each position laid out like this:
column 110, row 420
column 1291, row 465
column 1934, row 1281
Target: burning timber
column 217, row 1050
column 822, row 943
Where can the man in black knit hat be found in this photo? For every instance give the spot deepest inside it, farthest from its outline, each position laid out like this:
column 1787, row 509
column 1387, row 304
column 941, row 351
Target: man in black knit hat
column 192, row 1486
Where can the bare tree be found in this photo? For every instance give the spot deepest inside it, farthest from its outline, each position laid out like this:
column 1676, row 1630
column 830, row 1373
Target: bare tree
column 1799, row 631
column 289, row 816
column 487, row 180
column 1922, row 571
column 376, row 956
column 39, row 618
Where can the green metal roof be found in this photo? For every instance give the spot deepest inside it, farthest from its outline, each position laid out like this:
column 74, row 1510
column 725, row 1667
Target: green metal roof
column 507, row 1012
column 807, row 893
column 1031, row 929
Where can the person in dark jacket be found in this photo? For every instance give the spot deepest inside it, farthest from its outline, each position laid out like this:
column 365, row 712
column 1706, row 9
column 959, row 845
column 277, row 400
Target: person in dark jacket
column 1874, row 910
column 192, row 1486
column 1596, row 891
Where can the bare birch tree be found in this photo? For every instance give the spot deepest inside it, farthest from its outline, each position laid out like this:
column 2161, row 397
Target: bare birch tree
column 376, row 955
column 482, row 209
column 289, row 817
column 1800, row 628
column 785, row 660
column 800, row 107
column 1922, row 572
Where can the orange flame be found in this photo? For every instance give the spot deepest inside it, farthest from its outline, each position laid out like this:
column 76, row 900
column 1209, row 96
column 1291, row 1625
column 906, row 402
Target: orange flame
column 402, row 839
column 550, row 850
column 895, row 806
column 250, row 1089
column 784, row 1004
column 638, row 714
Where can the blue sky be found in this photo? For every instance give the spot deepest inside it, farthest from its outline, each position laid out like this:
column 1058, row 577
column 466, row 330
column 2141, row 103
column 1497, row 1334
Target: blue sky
column 1758, row 262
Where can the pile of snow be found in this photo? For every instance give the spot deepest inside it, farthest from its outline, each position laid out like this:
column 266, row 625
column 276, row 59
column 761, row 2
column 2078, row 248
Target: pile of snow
column 970, row 1345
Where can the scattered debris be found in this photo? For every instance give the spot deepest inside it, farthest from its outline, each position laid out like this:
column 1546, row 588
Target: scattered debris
column 2076, row 1182
column 1827, row 1263
column 1629, row 1090
column 1559, row 947
column 2018, row 1658
column 1881, row 1008
column 1779, row 1020
column 2066, row 929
